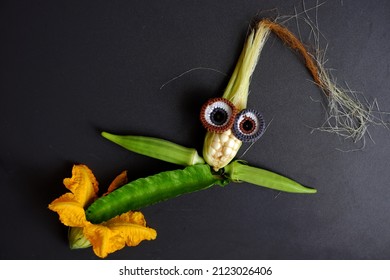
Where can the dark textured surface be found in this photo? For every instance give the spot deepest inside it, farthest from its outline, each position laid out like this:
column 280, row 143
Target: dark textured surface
column 71, row 69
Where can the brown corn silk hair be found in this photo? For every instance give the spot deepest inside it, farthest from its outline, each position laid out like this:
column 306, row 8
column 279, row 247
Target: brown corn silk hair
column 290, row 39
column 347, row 115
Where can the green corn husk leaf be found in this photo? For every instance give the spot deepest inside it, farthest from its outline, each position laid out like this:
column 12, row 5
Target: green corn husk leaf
column 238, row 171
column 157, row 148
column 237, row 90
column 77, row 239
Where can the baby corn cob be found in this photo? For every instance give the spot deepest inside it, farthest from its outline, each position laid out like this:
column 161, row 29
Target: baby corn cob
column 220, row 148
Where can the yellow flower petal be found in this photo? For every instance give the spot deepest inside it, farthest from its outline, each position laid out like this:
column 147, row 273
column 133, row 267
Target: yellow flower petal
column 127, row 229
column 119, row 181
column 83, row 184
column 129, row 217
column 102, row 241
column 70, row 210
column 134, row 221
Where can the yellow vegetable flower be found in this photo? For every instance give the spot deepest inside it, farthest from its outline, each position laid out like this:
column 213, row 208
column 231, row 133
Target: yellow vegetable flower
column 105, row 238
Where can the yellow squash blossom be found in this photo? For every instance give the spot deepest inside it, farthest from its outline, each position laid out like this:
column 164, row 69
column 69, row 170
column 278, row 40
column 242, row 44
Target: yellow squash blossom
column 126, row 229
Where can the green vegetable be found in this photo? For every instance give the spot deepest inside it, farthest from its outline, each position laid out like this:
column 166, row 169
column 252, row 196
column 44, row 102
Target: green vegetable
column 238, row 171
column 146, row 191
column 156, row 148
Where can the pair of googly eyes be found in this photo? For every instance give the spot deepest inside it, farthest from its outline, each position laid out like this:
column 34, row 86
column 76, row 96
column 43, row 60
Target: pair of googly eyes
column 219, row 115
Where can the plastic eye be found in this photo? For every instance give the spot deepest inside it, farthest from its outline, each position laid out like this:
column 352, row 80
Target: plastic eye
column 248, row 126
column 217, row 115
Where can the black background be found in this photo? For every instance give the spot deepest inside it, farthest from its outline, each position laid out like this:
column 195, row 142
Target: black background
column 70, row 69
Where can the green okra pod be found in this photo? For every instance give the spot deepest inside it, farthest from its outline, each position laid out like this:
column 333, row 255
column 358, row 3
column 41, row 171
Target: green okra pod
column 238, row 171
column 157, row 148
column 150, row 190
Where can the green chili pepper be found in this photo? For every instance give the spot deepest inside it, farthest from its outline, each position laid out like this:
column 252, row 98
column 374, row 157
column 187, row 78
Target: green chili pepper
column 146, row 191
column 238, row 171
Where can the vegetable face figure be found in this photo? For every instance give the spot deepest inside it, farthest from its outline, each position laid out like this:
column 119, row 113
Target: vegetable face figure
column 228, row 123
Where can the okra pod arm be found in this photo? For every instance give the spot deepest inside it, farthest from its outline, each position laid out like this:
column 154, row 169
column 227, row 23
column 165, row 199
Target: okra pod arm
column 238, row 171
column 156, row 148
column 150, row 190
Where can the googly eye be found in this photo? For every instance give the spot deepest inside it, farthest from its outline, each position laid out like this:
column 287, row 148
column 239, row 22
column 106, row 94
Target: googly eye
column 248, row 126
column 217, row 115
